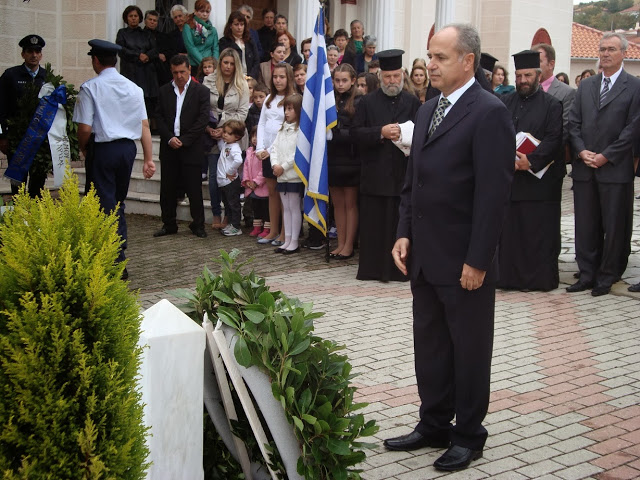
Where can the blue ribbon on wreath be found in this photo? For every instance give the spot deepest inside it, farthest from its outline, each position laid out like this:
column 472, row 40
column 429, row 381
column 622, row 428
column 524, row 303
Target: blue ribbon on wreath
column 37, row 131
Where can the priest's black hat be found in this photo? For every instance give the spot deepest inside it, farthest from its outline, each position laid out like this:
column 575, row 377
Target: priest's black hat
column 390, row 59
column 526, row 59
column 487, row 61
column 32, row 41
column 102, row 47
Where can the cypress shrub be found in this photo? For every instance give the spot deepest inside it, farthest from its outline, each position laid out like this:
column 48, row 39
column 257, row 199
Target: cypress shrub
column 69, row 404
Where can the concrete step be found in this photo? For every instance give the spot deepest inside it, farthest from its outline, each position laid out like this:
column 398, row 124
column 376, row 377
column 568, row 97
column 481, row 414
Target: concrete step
column 139, row 184
column 149, row 204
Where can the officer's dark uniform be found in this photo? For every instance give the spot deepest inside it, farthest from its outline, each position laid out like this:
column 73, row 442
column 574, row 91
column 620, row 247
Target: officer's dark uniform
column 13, row 83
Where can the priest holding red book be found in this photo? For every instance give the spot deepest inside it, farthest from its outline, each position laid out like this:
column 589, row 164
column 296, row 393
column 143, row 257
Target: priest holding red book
column 530, row 241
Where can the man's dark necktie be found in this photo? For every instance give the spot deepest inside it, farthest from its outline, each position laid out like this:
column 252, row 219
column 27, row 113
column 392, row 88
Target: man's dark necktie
column 438, row 116
column 605, row 90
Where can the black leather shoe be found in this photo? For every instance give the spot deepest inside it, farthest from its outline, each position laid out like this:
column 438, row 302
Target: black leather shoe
column 456, row 458
column 291, row 252
column 413, row 441
column 579, row 286
column 600, row 290
column 163, row 231
column 634, row 288
column 344, row 257
column 199, row 232
column 124, row 275
column 278, row 250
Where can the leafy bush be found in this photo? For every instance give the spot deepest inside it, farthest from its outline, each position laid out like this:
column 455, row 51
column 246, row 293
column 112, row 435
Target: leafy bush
column 69, row 405
column 309, row 378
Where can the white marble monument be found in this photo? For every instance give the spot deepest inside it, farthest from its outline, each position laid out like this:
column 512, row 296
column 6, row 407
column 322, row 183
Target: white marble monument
column 171, row 382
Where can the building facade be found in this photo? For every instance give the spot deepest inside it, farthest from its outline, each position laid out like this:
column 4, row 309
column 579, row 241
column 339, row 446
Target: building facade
column 506, row 26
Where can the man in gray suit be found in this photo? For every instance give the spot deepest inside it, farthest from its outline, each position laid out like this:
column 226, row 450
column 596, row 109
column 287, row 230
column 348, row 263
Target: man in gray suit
column 553, row 86
column 603, row 124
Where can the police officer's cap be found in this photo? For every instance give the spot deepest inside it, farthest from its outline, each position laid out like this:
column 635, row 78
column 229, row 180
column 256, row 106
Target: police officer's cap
column 102, row 47
column 33, row 41
column 390, row 59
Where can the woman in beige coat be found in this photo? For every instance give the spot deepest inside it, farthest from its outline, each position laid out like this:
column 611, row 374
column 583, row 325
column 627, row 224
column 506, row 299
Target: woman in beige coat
column 229, row 101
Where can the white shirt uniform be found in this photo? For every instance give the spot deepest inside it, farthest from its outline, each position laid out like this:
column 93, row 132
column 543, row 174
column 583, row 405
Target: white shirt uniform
column 112, row 105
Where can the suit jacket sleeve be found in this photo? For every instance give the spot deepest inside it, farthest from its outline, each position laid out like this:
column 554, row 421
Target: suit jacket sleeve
column 493, row 147
column 629, row 132
column 549, row 146
column 567, row 103
column 405, row 211
column 196, row 129
column 575, row 122
column 163, row 123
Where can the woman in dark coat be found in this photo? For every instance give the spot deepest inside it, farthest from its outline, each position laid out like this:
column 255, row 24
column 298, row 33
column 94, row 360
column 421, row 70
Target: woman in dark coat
column 138, row 55
column 238, row 37
column 343, row 163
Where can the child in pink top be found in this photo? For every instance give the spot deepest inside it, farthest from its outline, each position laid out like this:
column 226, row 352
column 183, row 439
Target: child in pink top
column 255, row 188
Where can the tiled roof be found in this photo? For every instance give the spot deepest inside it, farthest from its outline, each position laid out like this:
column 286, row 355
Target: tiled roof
column 585, row 42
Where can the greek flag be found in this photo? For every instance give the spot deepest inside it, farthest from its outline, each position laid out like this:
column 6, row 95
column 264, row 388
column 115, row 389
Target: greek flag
column 318, row 117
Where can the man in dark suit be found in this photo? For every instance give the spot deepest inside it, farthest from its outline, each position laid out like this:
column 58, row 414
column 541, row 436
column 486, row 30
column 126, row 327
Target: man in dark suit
column 182, row 116
column 452, row 207
column 603, row 123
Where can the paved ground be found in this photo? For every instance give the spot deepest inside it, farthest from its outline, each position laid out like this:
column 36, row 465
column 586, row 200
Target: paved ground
column 566, row 370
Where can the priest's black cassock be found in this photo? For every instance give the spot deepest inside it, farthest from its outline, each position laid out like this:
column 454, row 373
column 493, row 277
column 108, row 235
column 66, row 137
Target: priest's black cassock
column 383, row 168
column 530, row 240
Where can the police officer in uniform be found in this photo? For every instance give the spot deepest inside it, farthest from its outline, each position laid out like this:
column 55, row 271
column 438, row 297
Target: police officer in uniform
column 12, row 87
column 112, row 108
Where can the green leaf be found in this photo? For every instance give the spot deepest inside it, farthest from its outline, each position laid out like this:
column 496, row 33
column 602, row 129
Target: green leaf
column 305, row 400
column 301, row 347
column 339, row 447
column 253, row 316
column 310, row 419
column 222, row 296
column 298, row 422
column 266, row 299
column 285, row 344
column 241, row 350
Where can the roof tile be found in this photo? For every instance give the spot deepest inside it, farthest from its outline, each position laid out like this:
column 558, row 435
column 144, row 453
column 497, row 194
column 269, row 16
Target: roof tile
column 585, row 42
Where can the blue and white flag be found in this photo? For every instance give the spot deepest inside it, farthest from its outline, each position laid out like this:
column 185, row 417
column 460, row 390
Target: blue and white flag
column 318, row 117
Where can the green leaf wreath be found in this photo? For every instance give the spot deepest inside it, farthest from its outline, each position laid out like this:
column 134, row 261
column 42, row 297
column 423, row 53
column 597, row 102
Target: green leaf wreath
column 27, row 105
column 309, row 377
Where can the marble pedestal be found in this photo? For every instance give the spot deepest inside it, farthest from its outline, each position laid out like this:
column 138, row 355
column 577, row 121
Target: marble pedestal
column 171, row 383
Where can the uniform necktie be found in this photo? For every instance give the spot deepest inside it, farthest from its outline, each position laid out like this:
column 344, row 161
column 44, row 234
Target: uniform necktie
column 438, row 116
column 605, row 90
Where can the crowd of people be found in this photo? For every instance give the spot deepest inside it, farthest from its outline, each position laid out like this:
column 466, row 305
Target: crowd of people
column 250, row 75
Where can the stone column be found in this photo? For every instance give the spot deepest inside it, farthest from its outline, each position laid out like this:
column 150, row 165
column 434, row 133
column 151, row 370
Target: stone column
column 379, row 20
column 445, row 13
column 305, row 20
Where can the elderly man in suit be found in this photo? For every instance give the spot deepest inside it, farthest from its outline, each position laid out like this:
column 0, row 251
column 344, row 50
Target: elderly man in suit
column 182, row 116
column 553, row 86
column 452, row 208
column 603, row 124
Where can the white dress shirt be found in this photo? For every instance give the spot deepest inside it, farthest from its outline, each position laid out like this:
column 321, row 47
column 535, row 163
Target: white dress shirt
column 112, row 105
column 179, row 102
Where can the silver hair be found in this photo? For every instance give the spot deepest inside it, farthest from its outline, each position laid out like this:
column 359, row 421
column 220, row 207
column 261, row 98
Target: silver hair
column 181, row 8
column 332, row 47
column 370, row 40
column 468, row 41
column 248, row 8
column 624, row 43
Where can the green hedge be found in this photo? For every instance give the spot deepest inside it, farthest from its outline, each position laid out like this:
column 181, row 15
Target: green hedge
column 69, row 327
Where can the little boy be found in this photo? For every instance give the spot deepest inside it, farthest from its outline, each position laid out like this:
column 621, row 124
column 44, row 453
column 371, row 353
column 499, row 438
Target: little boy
column 260, row 93
column 227, row 174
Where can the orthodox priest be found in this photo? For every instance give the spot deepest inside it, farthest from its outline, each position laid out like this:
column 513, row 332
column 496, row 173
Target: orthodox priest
column 383, row 167
column 530, row 241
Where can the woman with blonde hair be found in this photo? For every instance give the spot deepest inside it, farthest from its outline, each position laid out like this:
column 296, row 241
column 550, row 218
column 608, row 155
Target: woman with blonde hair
column 229, row 101
column 419, row 80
